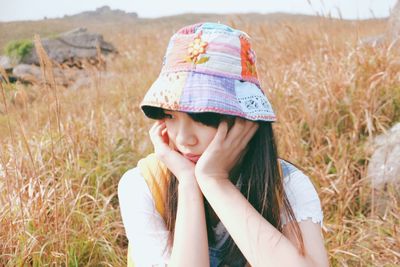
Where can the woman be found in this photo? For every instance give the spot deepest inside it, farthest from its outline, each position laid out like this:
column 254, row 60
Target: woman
column 215, row 192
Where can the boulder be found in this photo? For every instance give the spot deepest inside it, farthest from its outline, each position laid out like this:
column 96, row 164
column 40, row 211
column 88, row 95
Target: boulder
column 81, row 82
column 394, row 22
column 6, row 62
column 33, row 74
column 75, row 45
column 391, row 35
column 373, row 41
column 384, row 167
column 27, row 73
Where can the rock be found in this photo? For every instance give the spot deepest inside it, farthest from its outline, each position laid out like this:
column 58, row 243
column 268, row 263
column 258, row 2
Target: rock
column 81, row 82
column 6, row 62
column 75, row 45
column 33, row 74
column 84, row 80
column 393, row 33
column 27, row 73
column 394, row 22
column 384, row 167
column 373, row 41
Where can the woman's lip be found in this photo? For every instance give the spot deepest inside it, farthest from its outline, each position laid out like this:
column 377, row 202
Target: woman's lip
column 192, row 157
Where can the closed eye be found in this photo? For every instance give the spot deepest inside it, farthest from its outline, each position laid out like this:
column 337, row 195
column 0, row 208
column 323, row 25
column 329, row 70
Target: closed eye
column 169, row 116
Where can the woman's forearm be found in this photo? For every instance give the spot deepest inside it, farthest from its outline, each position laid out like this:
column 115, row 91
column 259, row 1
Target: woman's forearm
column 259, row 241
column 190, row 246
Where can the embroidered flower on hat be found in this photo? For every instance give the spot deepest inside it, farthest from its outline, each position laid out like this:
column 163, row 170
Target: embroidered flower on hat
column 195, row 49
column 248, row 58
column 251, row 60
column 251, row 55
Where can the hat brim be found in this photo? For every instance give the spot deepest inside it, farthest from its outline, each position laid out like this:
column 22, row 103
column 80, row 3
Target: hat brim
column 198, row 92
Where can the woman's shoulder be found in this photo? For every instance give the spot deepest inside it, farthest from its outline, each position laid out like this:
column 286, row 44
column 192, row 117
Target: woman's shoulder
column 130, row 177
column 301, row 193
column 287, row 168
column 292, row 174
column 132, row 184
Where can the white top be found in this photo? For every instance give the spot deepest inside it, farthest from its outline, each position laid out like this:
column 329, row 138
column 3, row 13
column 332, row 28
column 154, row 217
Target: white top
column 147, row 232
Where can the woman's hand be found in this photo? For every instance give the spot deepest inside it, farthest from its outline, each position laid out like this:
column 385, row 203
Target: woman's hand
column 225, row 149
column 182, row 168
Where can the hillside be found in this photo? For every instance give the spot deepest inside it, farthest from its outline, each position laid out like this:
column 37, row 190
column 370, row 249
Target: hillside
column 107, row 21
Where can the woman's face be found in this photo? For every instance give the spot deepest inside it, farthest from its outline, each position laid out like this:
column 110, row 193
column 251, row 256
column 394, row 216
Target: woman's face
column 189, row 137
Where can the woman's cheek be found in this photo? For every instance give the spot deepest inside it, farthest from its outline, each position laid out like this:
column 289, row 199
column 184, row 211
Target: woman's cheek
column 170, row 129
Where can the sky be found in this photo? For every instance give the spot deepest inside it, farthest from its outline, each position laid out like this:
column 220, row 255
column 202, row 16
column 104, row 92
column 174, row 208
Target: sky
column 11, row 10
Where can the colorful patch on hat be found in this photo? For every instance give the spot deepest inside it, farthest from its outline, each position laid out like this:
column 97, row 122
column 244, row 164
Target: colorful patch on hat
column 166, row 91
column 248, row 60
column 208, row 92
column 223, row 51
column 176, row 54
column 252, row 100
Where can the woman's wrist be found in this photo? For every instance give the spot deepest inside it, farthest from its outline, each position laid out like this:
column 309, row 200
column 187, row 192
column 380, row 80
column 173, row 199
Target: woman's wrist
column 206, row 182
column 205, row 178
column 188, row 184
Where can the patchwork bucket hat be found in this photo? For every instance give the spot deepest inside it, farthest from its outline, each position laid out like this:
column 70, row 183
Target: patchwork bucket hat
column 209, row 67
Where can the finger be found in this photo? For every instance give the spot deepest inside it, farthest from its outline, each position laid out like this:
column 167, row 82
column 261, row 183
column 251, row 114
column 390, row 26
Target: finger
column 249, row 134
column 156, row 135
column 241, row 140
column 221, row 133
column 249, row 126
column 154, row 126
column 164, row 135
column 237, row 130
column 160, row 137
column 170, row 156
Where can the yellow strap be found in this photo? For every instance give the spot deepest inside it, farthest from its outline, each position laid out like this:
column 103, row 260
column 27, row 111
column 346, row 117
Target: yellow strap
column 156, row 176
column 280, row 169
column 130, row 260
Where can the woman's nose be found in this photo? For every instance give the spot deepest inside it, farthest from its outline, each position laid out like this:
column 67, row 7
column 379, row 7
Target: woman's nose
column 186, row 136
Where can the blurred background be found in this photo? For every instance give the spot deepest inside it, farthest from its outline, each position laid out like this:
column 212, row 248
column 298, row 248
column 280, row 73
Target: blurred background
column 72, row 75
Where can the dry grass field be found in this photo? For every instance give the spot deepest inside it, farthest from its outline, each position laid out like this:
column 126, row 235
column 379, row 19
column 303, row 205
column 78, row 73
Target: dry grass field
column 63, row 151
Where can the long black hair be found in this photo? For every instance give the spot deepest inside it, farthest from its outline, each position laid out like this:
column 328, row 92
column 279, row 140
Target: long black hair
column 262, row 185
